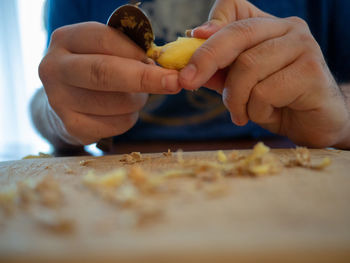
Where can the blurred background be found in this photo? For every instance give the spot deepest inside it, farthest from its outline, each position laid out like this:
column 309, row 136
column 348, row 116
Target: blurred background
column 22, row 44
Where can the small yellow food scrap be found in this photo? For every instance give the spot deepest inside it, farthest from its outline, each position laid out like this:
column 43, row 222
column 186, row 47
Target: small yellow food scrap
column 177, row 54
column 7, row 199
column 260, row 169
column 152, row 184
column 221, row 156
column 137, row 175
column 259, row 150
column 235, row 156
column 85, row 162
column 40, row 155
column 127, row 195
column 174, row 173
column 323, row 164
column 114, row 178
column 180, row 158
column 111, row 179
column 260, row 161
column 137, row 156
column 168, row 153
column 303, row 157
column 49, row 192
column 134, row 157
column 54, row 222
column 26, row 194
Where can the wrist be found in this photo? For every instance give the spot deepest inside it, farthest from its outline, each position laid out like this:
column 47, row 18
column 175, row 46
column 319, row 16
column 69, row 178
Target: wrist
column 343, row 141
column 49, row 125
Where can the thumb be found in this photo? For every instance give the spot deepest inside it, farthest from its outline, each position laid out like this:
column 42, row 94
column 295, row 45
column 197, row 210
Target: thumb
column 224, row 12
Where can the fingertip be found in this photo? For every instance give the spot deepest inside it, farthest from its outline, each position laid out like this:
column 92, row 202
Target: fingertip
column 148, row 61
column 238, row 120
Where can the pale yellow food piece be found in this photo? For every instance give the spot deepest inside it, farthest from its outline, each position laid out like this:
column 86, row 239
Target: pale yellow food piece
column 323, row 164
column 175, row 173
column 221, row 156
column 259, row 150
column 260, row 169
column 177, row 54
column 8, row 195
column 111, row 179
column 40, row 155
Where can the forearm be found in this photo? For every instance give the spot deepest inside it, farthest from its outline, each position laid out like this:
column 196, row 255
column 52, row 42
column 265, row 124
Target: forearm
column 48, row 123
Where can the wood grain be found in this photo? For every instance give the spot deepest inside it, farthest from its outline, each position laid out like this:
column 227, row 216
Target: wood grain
column 296, row 216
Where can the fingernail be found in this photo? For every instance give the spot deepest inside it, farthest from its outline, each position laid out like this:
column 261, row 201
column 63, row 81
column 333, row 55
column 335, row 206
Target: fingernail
column 189, row 72
column 149, row 61
column 189, row 33
column 206, row 25
column 170, row 82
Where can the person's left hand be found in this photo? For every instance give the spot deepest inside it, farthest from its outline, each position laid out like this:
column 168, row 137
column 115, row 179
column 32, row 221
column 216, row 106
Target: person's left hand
column 271, row 71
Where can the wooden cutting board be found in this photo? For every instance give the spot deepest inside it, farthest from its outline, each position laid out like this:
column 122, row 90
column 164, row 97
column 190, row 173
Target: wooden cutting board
column 298, row 215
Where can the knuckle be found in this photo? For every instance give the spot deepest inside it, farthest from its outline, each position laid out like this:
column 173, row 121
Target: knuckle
column 103, row 41
column 306, row 38
column 206, row 51
column 146, row 80
column 59, row 34
column 99, row 74
column 309, row 42
column 313, row 65
column 246, row 61
column 297, row 20
column 45, row 69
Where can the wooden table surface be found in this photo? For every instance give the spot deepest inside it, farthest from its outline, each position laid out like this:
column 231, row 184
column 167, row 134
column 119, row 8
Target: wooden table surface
column 296, row 216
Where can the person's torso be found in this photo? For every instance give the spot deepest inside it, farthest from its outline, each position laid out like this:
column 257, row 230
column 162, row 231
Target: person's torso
column 200, row 114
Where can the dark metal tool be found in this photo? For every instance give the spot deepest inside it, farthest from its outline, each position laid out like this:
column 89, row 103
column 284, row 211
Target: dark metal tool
column 134, row 23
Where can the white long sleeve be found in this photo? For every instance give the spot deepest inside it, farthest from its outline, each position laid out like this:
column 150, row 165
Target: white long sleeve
column 49, row 125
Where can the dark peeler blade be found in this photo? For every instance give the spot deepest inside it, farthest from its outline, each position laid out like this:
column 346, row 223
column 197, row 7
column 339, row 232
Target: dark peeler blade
column 134, row 23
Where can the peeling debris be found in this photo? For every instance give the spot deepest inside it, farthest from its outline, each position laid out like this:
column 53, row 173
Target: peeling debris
column 168, row 153
column 49, row 192
column 85, row 162
column 134, row 157
column 132, row 187
column 40, row 155
column 54, row 222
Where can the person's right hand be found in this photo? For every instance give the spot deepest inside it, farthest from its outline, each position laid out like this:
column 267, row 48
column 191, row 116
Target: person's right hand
column 97, row 80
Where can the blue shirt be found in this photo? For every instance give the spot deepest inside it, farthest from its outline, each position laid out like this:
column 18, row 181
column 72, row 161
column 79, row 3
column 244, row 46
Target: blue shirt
column 201, row 115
